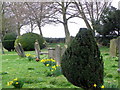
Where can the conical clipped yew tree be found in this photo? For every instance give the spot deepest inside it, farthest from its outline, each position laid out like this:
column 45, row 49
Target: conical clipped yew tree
column 81, row 63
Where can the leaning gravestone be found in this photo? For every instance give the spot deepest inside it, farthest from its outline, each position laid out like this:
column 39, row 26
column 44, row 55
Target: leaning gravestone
column 37, row 49
column 58, row 54
column 19, row 50
column 113, row 47
column 51, row 53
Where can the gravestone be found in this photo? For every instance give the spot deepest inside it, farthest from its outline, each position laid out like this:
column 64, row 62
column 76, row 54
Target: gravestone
column 119, row 61
column 51, row 53
column 119, row 53
column 19, row 50
column 113, row 47
column 63, row 49
column 57, row 54
column 37, row 49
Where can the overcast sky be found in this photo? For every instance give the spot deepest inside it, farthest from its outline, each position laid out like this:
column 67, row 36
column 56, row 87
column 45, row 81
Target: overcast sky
column 57, row 31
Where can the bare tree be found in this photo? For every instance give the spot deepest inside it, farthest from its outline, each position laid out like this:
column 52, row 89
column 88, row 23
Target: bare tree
column 63, row 11
column 17, row 14
column 39, row 13
column 91, row 11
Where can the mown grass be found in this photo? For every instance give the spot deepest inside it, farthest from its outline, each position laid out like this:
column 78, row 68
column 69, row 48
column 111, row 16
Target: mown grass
column 34, row 76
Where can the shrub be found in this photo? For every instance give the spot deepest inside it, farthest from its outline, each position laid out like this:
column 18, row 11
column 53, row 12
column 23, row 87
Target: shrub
column 27, row 41
column 81, row 63
column 8, row 41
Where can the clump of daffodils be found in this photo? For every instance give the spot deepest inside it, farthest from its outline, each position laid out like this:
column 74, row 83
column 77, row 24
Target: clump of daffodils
column 16, row 83
column 48, row 62
column 55, row 69
column 30, row 57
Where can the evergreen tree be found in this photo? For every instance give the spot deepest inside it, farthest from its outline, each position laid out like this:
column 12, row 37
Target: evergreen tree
column 81, row 63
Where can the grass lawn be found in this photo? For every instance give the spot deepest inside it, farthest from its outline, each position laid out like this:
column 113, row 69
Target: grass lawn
column 34, row 73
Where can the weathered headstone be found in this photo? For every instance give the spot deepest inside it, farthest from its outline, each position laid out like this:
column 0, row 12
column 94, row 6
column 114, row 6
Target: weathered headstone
column 51, row 53
column 119, row 61
column 37, row 49
column 63, row 49
column 58, row 54
column 19, row 50
column 113, row 47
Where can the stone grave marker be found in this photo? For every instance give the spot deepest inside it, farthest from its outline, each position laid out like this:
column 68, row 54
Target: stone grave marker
column 119, row 53
column 58, row 54
column 19, row 50
column 51, row 53
column 37, row 49
column 113, row 47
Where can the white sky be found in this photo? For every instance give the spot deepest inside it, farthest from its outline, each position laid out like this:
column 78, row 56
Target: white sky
column 57, row 31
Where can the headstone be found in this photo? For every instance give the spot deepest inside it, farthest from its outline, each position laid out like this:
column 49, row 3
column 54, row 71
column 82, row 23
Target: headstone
column 119, row 60
column 51, row 53
column 113, row 47
column 63, row 49
column 19, row 50
column 37, row 49
column 58, row 54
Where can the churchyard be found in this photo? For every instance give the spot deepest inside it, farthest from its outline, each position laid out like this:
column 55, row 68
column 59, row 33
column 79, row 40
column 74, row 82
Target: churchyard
column 35, row 74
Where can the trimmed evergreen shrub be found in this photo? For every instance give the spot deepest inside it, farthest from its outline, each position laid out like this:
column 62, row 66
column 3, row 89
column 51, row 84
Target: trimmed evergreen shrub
column 27, row 41
column 8, row 41
column 81, row 63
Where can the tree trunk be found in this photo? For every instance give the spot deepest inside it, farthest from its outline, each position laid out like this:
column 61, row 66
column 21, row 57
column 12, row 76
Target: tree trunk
column 31, row 27
column 65, row 24
column 67, row 34
column 18, row 28
column 39, row 26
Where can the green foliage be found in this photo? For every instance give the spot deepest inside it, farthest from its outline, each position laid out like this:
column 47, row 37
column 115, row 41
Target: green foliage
column 8, row 41
column 16, row 83
column 32, row 73
column 54, row 69
column 81, row 63
column 27, row 41
column 30, row 57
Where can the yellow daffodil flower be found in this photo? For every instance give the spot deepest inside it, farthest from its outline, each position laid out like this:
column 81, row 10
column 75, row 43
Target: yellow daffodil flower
column 16, row 82
column 27, row 55
column 102, row 86
column 54, row 67
column 57, row 65
column 52, row 70
column 9, row 83
column 94, row 85
column 15, row 79
column 47, row 65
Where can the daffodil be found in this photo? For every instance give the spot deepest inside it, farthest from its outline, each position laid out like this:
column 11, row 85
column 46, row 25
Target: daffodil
column 15, row 79
column 94, row 85
column 57, row 65
column 54, row 67
column 16, row 82
column 47, row 65
column 102, row 86
column 9, row 83
column 52, row 70
column 42, row 60
column 27, row 55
